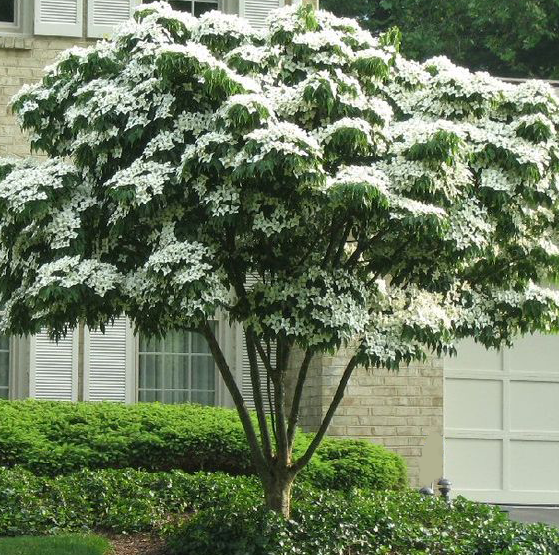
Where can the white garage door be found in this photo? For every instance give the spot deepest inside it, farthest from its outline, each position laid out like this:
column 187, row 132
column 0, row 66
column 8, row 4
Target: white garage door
column 502, row 422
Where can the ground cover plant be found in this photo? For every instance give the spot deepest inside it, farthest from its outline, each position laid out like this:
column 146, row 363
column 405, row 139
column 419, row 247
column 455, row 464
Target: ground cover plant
column 55, row 545
column 306, row 181
column 363, row 523
column 217, row 514
column 54, row 438
column 123, row 501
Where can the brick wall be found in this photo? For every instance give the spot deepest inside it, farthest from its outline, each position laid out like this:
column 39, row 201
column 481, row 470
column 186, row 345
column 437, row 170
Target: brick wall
column 22, row 61
column 396, row 409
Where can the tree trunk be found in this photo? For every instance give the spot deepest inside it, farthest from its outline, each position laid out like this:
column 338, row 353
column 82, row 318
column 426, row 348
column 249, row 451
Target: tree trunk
column 81, row 347
column 277, row 494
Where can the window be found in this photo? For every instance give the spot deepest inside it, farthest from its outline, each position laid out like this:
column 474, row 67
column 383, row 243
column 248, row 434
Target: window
column 176, row 369
column 8, row 11
column 194, row 7
column 16, row 17
column 4, row 367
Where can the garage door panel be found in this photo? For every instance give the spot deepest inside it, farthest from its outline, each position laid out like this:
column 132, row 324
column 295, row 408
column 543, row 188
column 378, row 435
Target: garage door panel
column 535, row 466
column 474, row 404
column 474, row 461
column 534, row 353
column 474, row 357
column 534, row 406
column 501, row 415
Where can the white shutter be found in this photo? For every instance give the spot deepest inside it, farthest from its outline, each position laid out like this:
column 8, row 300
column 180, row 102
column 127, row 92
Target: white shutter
column 54, row 367
column 62, row 18
column 256, row 11
column 104, row 15
column 246, row 381
column 108, row 363
column 243, row 361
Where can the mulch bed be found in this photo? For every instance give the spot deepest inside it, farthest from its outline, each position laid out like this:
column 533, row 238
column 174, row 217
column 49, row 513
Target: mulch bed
column 136, row 544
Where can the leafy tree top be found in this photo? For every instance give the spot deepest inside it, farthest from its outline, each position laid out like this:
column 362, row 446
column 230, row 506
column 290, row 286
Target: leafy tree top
column 513, row 38
column 367, row 198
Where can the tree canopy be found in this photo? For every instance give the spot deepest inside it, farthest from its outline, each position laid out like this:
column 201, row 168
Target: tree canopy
column 513, row 38
column 305, row 180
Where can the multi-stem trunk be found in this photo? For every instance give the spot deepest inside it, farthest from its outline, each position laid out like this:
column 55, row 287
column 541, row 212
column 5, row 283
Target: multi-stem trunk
column 275, row 467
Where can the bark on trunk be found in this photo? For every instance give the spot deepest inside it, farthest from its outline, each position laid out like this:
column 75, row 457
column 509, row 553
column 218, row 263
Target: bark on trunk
column 277, row 494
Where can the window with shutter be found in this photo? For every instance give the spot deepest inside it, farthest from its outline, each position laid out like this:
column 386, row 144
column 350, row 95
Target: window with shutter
column 62, row 18
column 53, row 368
column 256, row 11
column 109, row 363
column 104, row 15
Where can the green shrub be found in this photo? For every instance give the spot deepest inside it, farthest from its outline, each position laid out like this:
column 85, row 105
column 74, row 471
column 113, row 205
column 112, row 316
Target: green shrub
column 51, row 438
column 350, row 463
column 55, row 437
column 330, row 523
column 237, row 528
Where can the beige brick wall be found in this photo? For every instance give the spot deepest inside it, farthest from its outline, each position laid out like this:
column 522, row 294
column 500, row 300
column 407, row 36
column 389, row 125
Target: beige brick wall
column 396, row 409
column 22, row 61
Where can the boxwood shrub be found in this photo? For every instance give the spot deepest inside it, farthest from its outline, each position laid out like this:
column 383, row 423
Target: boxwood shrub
column 51, row 438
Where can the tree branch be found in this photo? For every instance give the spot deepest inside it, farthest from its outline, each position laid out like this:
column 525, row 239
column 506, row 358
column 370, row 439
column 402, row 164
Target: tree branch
column 372, row 280
column 250, row 341
column 284, row 454
column 225, row 371
column 297, row 395
column 362, row 246
column 342, row 244
column 278, row 376
column 264, row 358
column 298, row 465
column 271, row 405
column 333, row 232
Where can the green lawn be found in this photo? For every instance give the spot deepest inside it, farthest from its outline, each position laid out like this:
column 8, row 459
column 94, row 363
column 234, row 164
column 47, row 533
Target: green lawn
column 55, row 545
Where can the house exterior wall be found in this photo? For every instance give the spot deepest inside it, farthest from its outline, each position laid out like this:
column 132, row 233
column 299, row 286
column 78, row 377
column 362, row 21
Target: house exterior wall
column 399, row 410
column 22, row 61
column 23, row 58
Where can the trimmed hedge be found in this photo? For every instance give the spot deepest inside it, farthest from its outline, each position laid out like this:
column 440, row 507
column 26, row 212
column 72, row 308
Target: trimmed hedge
column 51, row 438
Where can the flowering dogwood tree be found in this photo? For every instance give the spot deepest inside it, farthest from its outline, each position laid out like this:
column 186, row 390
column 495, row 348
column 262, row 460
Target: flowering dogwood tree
column 369, row 201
